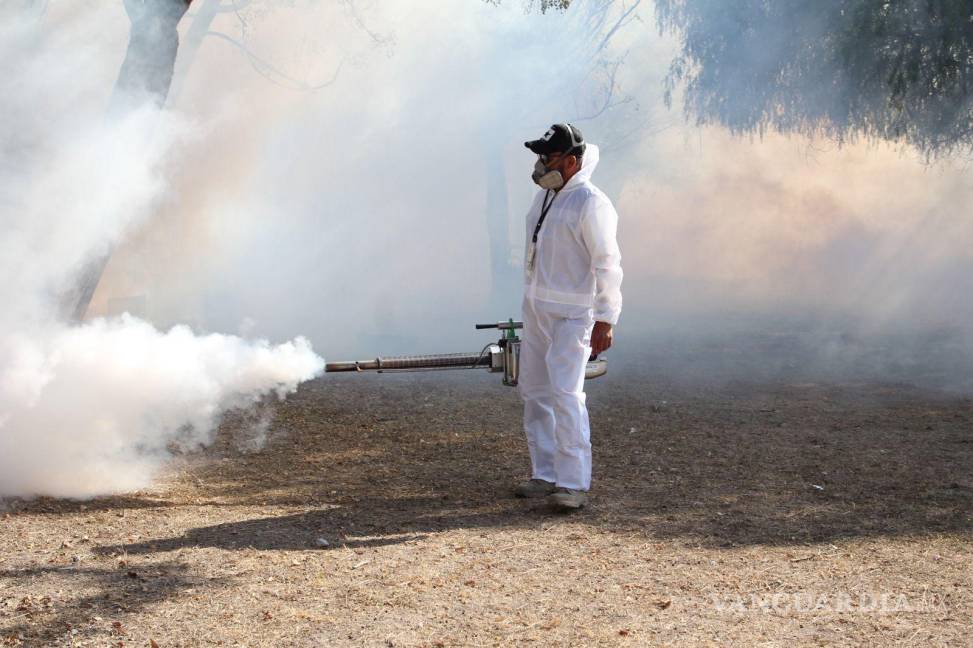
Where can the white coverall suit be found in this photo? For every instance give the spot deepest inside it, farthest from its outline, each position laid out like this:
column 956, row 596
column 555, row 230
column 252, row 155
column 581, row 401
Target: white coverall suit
column 576, row 280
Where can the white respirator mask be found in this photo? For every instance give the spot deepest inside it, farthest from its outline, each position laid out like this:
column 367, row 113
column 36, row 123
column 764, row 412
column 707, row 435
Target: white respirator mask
column 551, row 179
column 546, row 179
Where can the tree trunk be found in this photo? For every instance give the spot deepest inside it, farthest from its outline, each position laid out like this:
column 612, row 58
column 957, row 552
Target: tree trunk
column 206, row 12
column 145, row 77
column 146, row 72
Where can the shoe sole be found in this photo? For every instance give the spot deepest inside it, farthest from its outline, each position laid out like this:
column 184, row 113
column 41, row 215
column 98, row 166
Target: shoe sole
column 530, row 495
column 567, row 507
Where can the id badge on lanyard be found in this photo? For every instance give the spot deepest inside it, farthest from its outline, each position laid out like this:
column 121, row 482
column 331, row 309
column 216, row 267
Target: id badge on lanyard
column 531, row 254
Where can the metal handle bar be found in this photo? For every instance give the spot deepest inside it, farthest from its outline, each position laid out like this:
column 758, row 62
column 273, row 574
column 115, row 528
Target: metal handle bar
column 503, row 326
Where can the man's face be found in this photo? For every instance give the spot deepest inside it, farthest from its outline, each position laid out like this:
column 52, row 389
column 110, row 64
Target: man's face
column 566, row 164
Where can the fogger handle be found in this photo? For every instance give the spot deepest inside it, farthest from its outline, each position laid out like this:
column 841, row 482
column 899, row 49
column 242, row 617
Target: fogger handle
column 503, row 326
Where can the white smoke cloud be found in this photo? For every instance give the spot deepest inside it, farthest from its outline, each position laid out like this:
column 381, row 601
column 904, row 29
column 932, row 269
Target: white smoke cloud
column 361, row 214
column 96, row 408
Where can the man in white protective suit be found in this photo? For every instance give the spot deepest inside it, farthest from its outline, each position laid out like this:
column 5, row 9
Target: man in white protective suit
column 572, row 299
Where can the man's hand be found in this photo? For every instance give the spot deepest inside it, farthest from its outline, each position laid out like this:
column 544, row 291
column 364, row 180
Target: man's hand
column 601, row 337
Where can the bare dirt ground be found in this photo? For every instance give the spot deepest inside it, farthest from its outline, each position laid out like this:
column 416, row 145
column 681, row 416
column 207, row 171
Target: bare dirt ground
column 757, row 513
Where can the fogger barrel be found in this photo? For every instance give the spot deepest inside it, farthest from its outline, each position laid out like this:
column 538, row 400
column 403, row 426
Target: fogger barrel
column 502, row 356
column 413, row 362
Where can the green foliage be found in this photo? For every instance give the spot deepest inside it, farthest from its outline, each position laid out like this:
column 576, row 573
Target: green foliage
column 554, row 4
column 543, row 5
column 895, row 70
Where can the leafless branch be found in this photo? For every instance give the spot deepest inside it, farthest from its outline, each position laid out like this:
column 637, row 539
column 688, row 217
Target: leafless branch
column 272, row 73
column 626, row 17
column 377, row 39
column 610, row 87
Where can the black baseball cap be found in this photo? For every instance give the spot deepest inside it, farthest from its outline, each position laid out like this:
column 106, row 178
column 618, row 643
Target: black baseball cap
column 559, row 138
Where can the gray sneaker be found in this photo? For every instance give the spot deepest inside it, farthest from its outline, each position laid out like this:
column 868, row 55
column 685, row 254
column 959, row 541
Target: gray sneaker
column 534, row 488
column 567, row 499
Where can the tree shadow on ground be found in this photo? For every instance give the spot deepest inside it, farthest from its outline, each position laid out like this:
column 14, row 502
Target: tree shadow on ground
column 110, row 593
column 373, row 522
column 57, row 506
column 372, row 464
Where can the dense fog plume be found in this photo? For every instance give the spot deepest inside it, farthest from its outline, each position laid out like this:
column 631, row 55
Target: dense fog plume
column 368, row 213
column 382, row 213
column 364, row 183
column 97, row 408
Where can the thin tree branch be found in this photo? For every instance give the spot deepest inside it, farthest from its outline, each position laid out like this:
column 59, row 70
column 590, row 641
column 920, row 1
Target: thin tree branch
column 377, row 38
column 623, row 20
column 273, row 74
column 611, row 85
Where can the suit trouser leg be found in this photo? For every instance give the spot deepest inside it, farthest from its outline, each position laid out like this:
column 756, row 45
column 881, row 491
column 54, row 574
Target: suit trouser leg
column 567, row 357
column 535, row 389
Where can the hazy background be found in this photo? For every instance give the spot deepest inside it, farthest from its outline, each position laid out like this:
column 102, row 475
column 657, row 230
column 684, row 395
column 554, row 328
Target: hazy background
column 359, row 213
column 354, row 173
